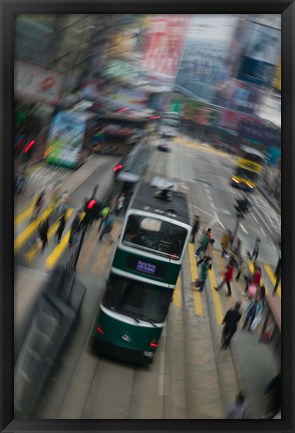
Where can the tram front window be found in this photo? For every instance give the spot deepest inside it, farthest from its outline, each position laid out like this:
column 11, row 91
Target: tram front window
column 139, row 300
column 154, row 235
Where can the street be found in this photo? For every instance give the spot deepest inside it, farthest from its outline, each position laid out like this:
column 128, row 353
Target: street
column 190, row 378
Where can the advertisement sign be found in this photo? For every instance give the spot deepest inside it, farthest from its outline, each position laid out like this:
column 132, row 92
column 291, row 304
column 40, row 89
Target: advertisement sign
column 164, row 44
column 65, row 139
column 261, row 54
column 37, row 83
column 231, row 120
column 204, row 62
column 238, row 95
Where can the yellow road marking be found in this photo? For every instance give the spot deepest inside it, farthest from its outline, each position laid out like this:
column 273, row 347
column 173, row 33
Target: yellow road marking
column 219, row 314
column 272, row 278
column 37, row 247
column 194, row 275
column 177, row 294
column 21, row 239
column 25, row 214
column 58, row 251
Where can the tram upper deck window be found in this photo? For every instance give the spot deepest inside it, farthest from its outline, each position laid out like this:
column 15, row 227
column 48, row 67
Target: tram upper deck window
column 155, row 236
column 136, row 299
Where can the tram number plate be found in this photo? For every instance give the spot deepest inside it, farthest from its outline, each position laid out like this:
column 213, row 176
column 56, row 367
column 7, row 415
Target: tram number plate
column 149, row 354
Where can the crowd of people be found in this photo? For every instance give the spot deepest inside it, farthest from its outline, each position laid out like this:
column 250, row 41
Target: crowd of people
column 52, row 206
column 237, row 266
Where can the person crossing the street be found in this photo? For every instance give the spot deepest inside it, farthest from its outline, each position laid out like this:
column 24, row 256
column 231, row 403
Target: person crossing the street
column 228, row 275
column 230, row 322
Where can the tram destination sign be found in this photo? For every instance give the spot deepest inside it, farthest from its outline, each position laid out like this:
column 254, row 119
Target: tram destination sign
column 154, row 269
column 145, row 267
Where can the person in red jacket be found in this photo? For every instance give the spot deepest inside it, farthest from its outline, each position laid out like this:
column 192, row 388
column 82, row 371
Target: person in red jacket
column 228, row 276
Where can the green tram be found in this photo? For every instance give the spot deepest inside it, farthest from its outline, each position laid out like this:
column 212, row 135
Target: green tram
column 143, row 275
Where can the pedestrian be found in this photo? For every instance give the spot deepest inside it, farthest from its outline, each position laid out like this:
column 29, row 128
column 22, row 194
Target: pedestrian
column 75, row 227
column 39, row 203
column 61, row 226
column 230, row 322
column 252, row 280
column 238, row 410
column 203, row 243
column 251, row 312
column 237, row 251
column 225, row 242
column 255, row 251
column 62, row 205
column 208, row 254
column 43, row 232
column 104, row 213
column 243, row 269
column 106, row 230
column 195, row 228
column 272, row 394
column 206, row 265
column 228, row 275
column 119, row 203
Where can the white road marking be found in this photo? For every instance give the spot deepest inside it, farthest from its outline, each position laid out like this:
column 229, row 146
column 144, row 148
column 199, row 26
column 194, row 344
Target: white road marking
column 243, row 228
column 262, row 231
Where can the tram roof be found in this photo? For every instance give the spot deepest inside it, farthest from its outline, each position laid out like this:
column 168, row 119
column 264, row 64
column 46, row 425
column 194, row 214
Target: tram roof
column 146, row 201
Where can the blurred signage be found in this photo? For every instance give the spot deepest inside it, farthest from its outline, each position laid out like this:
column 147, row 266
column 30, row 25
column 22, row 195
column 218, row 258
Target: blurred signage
column 37, row 83
column 204, row 63
column 231, row 120
column 163, row 45
column 262, row 51
column 117, row 68
column 277, row 77
column 238, row 95
column 65, row 138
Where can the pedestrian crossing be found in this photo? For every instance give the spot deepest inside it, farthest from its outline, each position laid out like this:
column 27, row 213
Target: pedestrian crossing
column 219, row 301
column 97, row 260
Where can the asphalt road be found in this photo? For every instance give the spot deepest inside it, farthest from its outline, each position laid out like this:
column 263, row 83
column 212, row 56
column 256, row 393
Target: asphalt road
column 185, row 380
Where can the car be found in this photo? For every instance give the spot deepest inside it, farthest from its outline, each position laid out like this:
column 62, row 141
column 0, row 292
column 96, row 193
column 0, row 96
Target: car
column 165, row 146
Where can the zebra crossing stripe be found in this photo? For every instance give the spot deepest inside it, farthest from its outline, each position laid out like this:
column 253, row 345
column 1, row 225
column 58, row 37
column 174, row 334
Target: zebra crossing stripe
column 194, row 275
column 25, row 214
column 272, row 278
column 22, row 238
column 58, row 251
column 29, row 255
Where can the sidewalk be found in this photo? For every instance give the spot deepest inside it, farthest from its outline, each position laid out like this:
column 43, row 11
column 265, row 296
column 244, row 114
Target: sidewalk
column 255, row 366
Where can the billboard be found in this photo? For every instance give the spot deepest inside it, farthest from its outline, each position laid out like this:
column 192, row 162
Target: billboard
column 261, row 53
column 163, row 45
column 204, row 62
column 65, row 139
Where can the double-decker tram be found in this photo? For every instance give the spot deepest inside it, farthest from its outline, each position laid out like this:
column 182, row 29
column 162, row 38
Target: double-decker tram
column 248, row 168
column 143, row 275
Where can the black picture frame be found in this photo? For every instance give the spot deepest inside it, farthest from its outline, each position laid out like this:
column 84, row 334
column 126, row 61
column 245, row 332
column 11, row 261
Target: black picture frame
column 8, row 10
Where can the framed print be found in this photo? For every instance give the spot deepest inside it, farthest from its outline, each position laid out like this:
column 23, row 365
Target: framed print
column 147, row 216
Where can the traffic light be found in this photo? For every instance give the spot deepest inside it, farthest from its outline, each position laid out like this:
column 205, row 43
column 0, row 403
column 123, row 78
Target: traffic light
column 91, row 209
column 242, row 206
